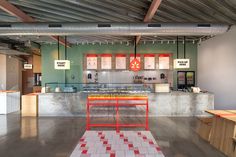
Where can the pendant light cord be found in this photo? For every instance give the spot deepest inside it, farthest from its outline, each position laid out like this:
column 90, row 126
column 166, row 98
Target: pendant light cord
column 58, row 53
column 135, row 49
column 184, row 48
column 65, row 48
column 65, row 57
column 177, row 47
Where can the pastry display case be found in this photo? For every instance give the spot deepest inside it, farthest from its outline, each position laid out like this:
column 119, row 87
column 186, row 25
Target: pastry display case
column 99, row 88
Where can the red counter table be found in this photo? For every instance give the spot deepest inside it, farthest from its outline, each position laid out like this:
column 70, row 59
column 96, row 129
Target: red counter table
column 115, row 100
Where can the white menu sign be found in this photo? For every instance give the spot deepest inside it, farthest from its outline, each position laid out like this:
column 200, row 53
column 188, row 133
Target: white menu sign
column 181, row 63
column 92, row 62
column 62, row 64
column 120, row 61
column 28, row 66
column 149, row 61
column 106, row 61
column 164, row 62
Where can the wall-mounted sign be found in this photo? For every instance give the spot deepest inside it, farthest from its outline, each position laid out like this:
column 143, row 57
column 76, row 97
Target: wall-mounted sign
column 62, row 64
column 92, row 60
column 164, row 61
column 28, row 66
column 181, row 63
column 120, row 61
column 106, row 61
column 149, row 61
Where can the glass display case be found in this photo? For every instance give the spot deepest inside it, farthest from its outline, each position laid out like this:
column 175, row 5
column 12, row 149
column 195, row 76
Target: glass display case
column 99, row 88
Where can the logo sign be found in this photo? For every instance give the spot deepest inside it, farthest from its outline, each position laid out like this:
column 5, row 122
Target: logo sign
column 181, row 63
column 135, row 65
column 28, row 66
column 62, row 64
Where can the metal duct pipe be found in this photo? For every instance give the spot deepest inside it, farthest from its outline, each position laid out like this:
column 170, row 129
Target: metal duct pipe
column 118, row 29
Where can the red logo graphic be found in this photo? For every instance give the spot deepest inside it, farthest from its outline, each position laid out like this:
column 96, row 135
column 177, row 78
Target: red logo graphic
column 135, row 65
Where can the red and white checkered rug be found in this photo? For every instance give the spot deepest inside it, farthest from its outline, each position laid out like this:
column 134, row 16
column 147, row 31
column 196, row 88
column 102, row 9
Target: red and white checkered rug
column 117, row 144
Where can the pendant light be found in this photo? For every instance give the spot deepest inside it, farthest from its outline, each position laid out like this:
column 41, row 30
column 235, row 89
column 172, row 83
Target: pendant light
column 135, row 64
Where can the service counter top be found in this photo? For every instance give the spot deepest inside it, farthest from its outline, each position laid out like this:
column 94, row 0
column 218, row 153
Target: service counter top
column 175, row 103
column 8, row 91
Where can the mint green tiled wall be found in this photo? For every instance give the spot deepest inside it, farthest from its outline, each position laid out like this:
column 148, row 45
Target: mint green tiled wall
column 75, row 55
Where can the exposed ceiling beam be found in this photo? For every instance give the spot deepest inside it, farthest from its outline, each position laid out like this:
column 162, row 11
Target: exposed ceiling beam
column 151, row 12
column 23, row 17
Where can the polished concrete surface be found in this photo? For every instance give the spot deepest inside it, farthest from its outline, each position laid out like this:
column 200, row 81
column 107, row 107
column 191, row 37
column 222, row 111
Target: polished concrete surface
column 57, row 137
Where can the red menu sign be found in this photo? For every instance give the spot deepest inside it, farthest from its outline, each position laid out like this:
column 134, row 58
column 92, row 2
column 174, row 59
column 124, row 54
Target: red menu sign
column 135, row 65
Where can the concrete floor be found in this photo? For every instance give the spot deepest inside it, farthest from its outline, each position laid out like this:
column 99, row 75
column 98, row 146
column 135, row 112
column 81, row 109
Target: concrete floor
column 57, row 137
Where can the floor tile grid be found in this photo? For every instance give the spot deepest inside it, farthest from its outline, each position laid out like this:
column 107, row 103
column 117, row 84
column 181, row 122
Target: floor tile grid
column 117, row 144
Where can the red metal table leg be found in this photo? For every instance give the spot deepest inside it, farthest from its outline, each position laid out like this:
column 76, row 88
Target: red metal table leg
column 147, row 109
column 117, row 116
column 88, row 116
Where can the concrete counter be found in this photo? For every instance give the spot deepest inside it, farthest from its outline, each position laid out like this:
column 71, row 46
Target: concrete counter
column 160, row 104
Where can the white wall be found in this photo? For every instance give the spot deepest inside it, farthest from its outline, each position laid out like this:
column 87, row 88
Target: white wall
column 217, row 68
column 3, row 72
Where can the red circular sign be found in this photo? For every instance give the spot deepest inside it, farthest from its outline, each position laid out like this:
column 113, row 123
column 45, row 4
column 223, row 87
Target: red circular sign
column 135, row 65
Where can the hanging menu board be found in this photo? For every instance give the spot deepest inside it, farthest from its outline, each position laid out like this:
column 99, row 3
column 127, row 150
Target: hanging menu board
column 164, row 61
column 106, row 61
column 120, row 61
column 92, row 61
column 149, row 61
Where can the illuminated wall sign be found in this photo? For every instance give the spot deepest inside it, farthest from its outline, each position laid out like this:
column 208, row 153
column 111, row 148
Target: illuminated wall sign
column 120, row 61
column 28, row 66
column 149, row 61
column 92, row 61
column 164, row 61
column 181, row 63
column 106, row 61
column 62, row 64
column 138, row 57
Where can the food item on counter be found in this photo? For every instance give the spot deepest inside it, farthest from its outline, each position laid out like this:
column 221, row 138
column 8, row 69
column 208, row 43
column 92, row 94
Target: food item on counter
column 100, row 96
